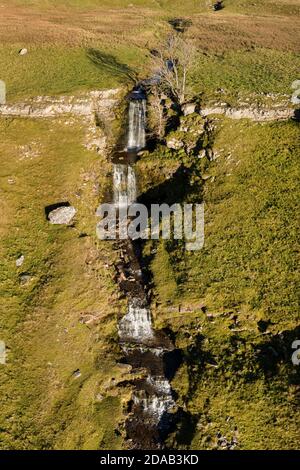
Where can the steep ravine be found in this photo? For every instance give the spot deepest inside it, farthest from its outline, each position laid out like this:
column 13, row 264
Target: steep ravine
column 150, row 412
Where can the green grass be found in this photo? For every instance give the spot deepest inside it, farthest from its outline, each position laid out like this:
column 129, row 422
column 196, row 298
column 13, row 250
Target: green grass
column 52, row 70
column 234, row 57
column 269, row 7
column 246, row 270
column 233, row 376
column 250, row 251
column 241, row 73
column 41, row 320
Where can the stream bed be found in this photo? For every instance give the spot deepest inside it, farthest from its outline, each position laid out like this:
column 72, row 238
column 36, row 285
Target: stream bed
column 149, row 352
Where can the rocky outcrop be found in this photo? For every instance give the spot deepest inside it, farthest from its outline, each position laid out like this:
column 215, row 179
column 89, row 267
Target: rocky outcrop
column 99, row 102
column 252, row 113
column 94, row 109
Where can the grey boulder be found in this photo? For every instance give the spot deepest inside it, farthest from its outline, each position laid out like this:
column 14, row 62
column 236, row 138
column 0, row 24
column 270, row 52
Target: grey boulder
column 62, row 215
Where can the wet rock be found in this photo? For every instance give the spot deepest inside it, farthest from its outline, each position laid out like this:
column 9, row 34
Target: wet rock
column 62, row 215
column 20, row 261
column 180, row 24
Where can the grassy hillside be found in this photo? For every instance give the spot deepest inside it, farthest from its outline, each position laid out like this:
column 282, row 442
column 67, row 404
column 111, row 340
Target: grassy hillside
column 247, row 47
column 232, row 307
column 234, row 304
column 59, row 309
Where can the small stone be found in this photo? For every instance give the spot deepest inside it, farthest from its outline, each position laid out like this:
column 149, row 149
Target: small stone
column 62, row 215
column 76, row 374
column 24, row 279
column 174, row 144
column 2, row 352
column 20, row 261
column 23, row 51
column 2, row 92
column 189, row 108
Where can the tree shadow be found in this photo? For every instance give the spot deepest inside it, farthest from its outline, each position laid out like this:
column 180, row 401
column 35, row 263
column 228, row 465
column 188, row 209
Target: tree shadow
column 111, row 64
column 277, row 351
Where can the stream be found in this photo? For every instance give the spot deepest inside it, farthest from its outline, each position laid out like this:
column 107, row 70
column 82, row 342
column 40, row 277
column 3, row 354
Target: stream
column 150, row 353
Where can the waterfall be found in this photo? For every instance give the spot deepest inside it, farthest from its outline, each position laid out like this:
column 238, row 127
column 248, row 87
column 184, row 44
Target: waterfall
column 136, row 325
column 137, row 124
column 124, row 183
column 142, row 346
column 131, row 185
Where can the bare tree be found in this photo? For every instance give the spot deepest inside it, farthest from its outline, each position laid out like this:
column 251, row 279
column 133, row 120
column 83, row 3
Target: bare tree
column 173, row 62
column 158, row 111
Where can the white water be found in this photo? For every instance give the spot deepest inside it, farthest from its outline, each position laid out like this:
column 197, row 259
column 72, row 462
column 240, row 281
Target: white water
column 154, row 405
column 137, row 124
column 160, row 401
column 136, row 325
column 124, row 182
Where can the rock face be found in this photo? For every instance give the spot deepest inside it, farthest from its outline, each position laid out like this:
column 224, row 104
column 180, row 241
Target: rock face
column 254, row 114
column 62, row 215
column 100, row 103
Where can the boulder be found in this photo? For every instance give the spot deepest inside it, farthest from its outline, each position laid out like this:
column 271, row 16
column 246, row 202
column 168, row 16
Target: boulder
column 20, row 261
column 62, row 215
column 189, row 108
column 174, row 143
column 76, row 374
column 2, row 92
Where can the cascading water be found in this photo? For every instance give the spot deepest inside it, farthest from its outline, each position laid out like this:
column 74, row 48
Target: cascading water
column 137, row 121
column 143, row 348
column 124, row 183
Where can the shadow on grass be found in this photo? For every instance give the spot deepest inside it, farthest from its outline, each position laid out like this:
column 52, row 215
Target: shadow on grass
column 109, row 63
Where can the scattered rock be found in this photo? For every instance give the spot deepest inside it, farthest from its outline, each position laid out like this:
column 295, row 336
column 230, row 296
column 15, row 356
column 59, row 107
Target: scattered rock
column 2, row 352
column 189, row 108
column 202, row 154
column 2, row 92
column 20, row 261
column 76, row 374
column 23, row 51
column 210, row 154
column 174, row 144
column 62, row 215
column 25, row 278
